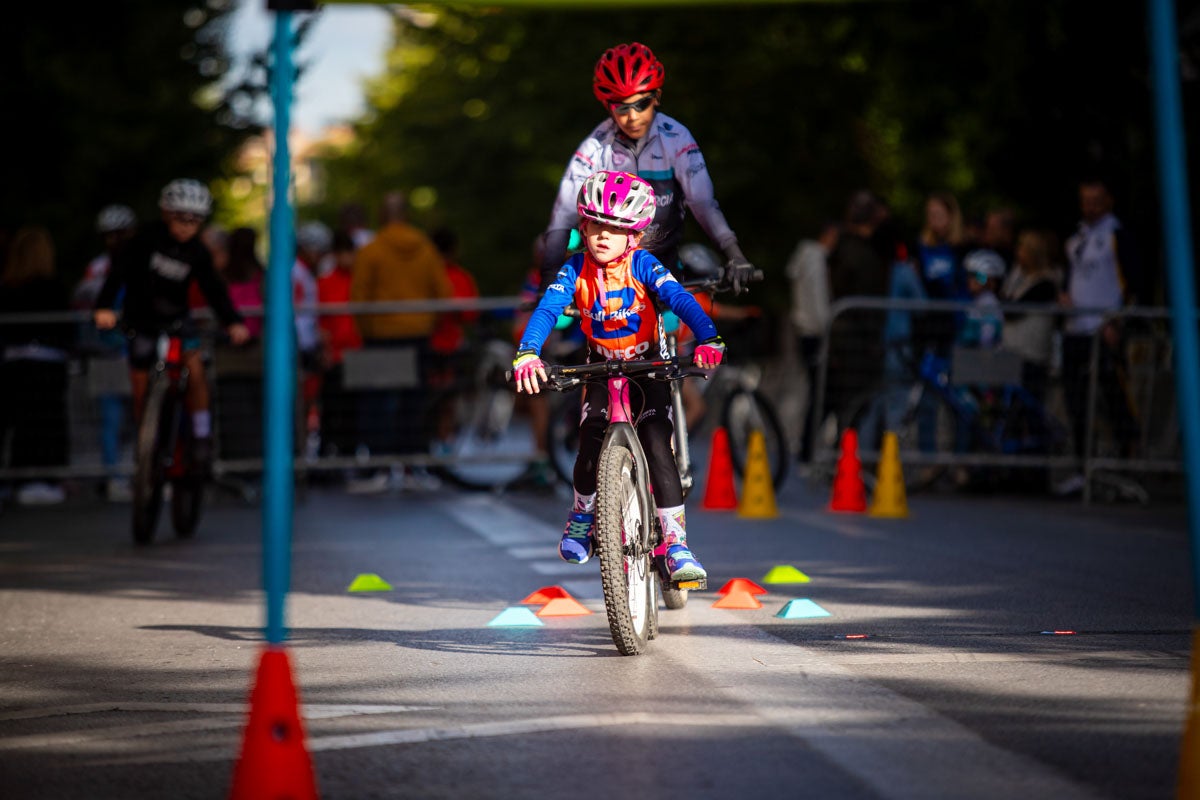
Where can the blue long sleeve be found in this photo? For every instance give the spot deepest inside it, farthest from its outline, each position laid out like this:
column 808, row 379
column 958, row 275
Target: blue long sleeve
column 558, row 296
column 652, row 273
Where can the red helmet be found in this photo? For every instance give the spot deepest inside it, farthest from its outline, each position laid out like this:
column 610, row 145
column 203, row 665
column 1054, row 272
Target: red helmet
column 626, row 70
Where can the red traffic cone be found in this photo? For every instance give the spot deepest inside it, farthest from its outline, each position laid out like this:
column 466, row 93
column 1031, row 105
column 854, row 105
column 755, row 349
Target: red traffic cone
column 274, row 762
column 849, row 494
column 719, row 491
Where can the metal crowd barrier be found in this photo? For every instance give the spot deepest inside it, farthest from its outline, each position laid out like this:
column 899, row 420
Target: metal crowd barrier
column 854, row 359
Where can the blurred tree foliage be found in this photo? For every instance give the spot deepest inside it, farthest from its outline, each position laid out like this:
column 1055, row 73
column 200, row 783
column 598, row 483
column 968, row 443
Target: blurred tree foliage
column 105, row 103
column 794, row 107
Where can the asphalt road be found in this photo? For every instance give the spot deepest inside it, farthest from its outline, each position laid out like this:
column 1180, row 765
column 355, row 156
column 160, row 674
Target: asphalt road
column 124, row 672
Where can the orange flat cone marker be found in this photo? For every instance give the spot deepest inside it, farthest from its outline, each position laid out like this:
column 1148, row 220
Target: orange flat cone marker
column 849, row 494
column 545, row 595
column 889, row 500
column 758, row 488
column 274, row 762
column 742, row 585
column 738, row 600
column 563, row 607
column 719, row 492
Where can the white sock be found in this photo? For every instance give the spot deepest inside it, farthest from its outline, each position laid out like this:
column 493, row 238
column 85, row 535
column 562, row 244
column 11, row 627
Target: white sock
column 202, row 424
column 584, row 503
column 673, row 526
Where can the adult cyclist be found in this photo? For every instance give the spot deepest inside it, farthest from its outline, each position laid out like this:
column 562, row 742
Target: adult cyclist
column 635, row 137
column 156, row 268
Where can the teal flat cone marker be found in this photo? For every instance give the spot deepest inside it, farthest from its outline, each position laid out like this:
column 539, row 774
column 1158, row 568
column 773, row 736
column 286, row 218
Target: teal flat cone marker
column 802, row 608
column 516, row 617
column 369, row 582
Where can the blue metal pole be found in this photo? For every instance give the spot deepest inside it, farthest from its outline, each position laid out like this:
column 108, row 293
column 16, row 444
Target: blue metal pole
column 279, row 369
column 1177, row 237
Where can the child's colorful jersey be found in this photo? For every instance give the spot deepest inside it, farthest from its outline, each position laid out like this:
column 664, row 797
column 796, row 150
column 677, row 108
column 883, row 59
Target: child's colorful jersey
column 616, row 305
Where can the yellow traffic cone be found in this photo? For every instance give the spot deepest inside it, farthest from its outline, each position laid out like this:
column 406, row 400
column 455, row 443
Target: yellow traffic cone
column 758, row 491
column 889, row 499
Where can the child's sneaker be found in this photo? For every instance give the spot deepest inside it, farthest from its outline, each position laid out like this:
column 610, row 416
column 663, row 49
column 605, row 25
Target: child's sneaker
column 682, row 565
column 576, row 543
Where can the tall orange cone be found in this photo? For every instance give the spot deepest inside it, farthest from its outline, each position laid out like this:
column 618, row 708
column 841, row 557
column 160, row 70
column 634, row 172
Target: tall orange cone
column 274, row 763
column 719, row 491
column 889, row 499
column 849, row 494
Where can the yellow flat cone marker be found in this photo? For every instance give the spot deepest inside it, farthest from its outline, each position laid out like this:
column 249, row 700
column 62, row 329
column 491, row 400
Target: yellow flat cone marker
column 369, row 582
column 889, row 500
column 785, row 573
column 758, row 491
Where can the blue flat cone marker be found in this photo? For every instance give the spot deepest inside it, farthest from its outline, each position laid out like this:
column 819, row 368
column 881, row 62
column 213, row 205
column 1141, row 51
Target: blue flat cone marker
column 802, row 609
column 516, row 617
column 369, row 582
column 785, row 573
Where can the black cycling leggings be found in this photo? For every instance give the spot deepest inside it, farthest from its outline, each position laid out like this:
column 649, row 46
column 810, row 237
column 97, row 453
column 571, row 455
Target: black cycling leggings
column 650, row 402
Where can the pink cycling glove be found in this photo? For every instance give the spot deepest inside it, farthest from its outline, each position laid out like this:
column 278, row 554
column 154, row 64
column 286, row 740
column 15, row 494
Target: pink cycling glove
column 709, row 354
column 527, row 368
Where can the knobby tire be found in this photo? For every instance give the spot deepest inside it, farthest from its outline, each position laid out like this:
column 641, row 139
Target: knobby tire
column 149, row 466
column 617, row 489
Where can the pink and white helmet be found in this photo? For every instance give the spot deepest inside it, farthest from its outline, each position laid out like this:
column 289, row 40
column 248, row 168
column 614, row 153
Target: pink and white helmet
column 616, row 198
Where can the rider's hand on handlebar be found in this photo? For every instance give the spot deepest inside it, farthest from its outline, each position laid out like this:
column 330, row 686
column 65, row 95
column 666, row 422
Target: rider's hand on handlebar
column 105, row 318
column 709, row 354
column 239, row 334
column 527, row 369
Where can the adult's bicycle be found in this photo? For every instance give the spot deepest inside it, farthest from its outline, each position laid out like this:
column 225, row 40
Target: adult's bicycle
column 164, row 453
column 629, row 540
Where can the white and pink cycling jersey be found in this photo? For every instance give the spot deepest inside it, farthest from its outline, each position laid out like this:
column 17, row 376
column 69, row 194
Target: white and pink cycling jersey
column 667, row 158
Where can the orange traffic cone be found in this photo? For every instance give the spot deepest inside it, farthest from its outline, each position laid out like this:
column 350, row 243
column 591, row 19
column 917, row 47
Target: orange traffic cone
column 274, row 762
column 563, row 607
column 719, row 491
column 738, row 599
column 849, row 494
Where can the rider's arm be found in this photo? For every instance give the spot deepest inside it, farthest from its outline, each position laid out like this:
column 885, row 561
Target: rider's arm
column 698, row 192
column 214, row 289
column 650, row 271
column 558, row 296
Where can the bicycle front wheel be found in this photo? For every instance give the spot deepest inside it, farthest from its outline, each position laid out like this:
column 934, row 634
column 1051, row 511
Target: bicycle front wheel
column 622, row 542
column 748, row 410
column 149, row 469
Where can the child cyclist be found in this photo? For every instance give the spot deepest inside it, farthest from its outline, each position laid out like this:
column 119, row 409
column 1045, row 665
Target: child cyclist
column 614, row 284
column 156, row 269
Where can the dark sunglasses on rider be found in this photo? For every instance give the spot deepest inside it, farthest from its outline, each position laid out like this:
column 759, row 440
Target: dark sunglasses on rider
column 639, row 106
column 187, row 219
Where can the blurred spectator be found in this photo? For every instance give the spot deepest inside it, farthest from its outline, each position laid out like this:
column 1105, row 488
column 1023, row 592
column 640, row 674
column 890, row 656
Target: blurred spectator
column 983, row 322
column 352, row 219
column 1104, row 272
column 400, row 263
column 339, row 333
column 33, row 364
column 313, row 242
column 243, row 275
column 999, row 233
column 808, row 272
column 856, row 336
column 1032, row 279
column 448, row 344
column 115, row 224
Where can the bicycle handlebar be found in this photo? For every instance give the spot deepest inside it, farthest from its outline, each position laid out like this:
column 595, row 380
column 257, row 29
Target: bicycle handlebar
column 562, row 377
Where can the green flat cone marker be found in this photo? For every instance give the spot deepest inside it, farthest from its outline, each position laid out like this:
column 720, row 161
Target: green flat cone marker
column 785, row 573
column 515, row 617
column 802, row 609
column 369, row 582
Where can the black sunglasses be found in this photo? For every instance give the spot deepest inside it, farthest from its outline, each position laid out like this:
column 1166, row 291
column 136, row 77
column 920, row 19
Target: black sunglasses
column 187, row 219
column 639, row 106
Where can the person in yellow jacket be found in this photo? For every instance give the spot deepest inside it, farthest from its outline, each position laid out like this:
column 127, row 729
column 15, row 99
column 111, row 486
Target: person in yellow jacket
column 400, row 263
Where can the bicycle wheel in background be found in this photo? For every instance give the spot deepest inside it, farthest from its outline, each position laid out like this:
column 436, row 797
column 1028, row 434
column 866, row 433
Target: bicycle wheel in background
column 623, row 514
column 748, row 410
column 562, row 438
column 149, row 460
column 489, row 445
